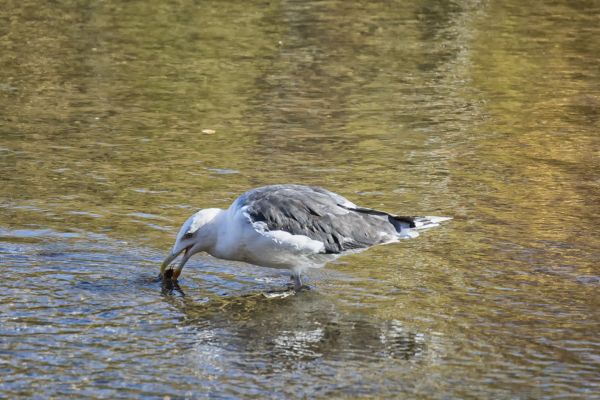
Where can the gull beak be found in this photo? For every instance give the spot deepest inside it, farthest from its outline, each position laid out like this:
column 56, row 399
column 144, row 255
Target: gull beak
column 174, row 273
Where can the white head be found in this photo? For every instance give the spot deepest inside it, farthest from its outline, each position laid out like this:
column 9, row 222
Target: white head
column 197, row 234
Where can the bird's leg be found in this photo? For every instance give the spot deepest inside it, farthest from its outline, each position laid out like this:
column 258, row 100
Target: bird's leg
column 297, row 281
column 298, row 286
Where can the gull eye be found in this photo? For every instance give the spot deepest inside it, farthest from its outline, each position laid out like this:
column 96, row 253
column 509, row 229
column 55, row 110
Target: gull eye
column 188, row 235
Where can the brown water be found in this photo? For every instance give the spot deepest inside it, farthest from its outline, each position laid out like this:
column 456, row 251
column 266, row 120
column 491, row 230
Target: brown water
column 119, row 119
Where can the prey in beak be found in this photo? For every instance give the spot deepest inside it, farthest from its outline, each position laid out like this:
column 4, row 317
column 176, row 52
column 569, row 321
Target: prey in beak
column 167, row 271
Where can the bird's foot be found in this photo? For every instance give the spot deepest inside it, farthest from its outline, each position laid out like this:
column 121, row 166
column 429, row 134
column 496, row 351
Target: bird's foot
column 296, row 283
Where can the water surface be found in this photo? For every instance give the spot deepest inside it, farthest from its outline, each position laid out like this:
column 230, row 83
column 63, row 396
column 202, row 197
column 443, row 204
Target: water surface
column 118, row 120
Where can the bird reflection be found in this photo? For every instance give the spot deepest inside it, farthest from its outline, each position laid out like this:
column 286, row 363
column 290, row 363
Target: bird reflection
column 306, row 326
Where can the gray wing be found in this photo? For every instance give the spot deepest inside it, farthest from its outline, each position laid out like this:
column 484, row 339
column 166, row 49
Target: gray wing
column 321, row 215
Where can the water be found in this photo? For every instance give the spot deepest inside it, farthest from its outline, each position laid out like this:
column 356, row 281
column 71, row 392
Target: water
column 118, row 120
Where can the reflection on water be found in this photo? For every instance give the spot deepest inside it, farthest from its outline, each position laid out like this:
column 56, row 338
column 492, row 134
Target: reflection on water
column 305, row 326
column 120, row 119
column 304, row 333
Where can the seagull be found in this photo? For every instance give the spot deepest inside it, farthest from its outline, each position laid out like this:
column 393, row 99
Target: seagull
column 291, row 227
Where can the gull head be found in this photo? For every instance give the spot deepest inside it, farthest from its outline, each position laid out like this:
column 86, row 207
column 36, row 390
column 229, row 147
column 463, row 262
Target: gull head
column 196, row 235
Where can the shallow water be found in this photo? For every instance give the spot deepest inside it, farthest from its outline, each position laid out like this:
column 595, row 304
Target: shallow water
column 118, row 120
